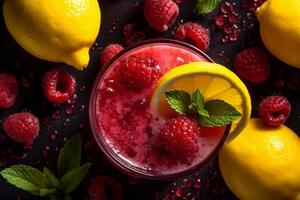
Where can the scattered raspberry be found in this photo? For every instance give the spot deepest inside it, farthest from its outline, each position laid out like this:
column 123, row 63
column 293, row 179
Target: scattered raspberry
column 59, row 86
column 160, row 14
column 22, row 127
column 180, row 136
column 109, row 52
column 274, row 110
column 8, row 90
column 140, row 72
column 105, row 188
column 253, row 65
column 194, row 34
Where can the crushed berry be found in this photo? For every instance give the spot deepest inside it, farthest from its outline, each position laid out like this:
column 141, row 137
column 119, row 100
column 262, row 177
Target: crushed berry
column 251, row 5
column 8, row 90
column 227, row 21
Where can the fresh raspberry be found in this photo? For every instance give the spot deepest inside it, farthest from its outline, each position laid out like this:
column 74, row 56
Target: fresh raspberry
column 22, row 127
column 195, row 34
column 274, row 110
column 140, row 72
column 109, row 52
column 253, row 65
column 105, row 188
column 160, row 14
column 8, row 90
column 59, row 86
column 180, row 136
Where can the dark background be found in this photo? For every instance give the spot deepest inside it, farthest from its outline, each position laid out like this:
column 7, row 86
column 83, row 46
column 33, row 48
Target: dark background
column 58, row 124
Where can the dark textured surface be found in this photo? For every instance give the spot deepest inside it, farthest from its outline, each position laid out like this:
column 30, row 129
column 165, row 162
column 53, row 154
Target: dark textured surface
column 117, row 13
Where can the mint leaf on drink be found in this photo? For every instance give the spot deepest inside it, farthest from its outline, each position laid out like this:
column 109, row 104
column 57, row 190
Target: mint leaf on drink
column 179, row 100
column 50, row 178
column 205, row 6
column 26, row 178
column 72, row 179
column 211, row 114
column 197, row 105
column 46, row 184
column 69, row 156
column 220, row 114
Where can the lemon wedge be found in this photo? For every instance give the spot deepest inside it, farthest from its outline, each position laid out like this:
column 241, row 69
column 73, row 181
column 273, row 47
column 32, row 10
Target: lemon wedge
column 214, row 81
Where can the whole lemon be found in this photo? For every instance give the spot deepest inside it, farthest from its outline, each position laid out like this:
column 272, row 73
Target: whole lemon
column 55, row 30
column 262, row 163
column 280, row 29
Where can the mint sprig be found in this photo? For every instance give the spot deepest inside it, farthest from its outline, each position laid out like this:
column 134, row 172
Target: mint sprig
column 205, row 6
column 179, row 100
column 69, row 157
column 26, row 178
column 45, row 183
column 211, row 114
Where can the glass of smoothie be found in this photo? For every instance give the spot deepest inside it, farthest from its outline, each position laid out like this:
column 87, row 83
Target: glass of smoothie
column 125, row 127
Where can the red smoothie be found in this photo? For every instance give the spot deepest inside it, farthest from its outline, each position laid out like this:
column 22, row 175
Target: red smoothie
column 126, row 124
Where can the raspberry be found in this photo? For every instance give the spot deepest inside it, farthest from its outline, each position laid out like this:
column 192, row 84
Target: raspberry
column 105, row 188
column 274, row 110
column 59, row 86
column 253, row 65
column 8, row 90
column 140, row 72
column 195, row 34
column 180, row 136
column 22, row 127
column 109, row 52
column 160, row 14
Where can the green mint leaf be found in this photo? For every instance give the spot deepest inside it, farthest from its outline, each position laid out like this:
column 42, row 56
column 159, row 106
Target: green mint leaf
column 69, row 182
column 197, row 105
column 179, row 100
column 47, row 192
column 205, row 6
column 220, row 114
column 50, row 178
column 69, row 156
column 26, row 178
column 203, row 112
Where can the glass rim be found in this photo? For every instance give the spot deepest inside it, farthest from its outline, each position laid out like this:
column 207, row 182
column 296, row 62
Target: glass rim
column 115, row 159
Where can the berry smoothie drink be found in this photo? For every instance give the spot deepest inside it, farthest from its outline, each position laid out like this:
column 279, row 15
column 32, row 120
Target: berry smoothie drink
column 127, row 129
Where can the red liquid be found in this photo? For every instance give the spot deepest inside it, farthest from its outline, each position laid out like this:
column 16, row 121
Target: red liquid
column 127, row 124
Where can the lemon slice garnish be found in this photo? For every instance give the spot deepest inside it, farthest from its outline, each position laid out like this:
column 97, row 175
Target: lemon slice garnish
column 214, row 81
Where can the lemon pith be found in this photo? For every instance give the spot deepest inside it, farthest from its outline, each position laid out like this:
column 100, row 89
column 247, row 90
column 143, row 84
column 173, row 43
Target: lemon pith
column 280, row 29
column 262, row 163
column 214, row 81
column 56, row 30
